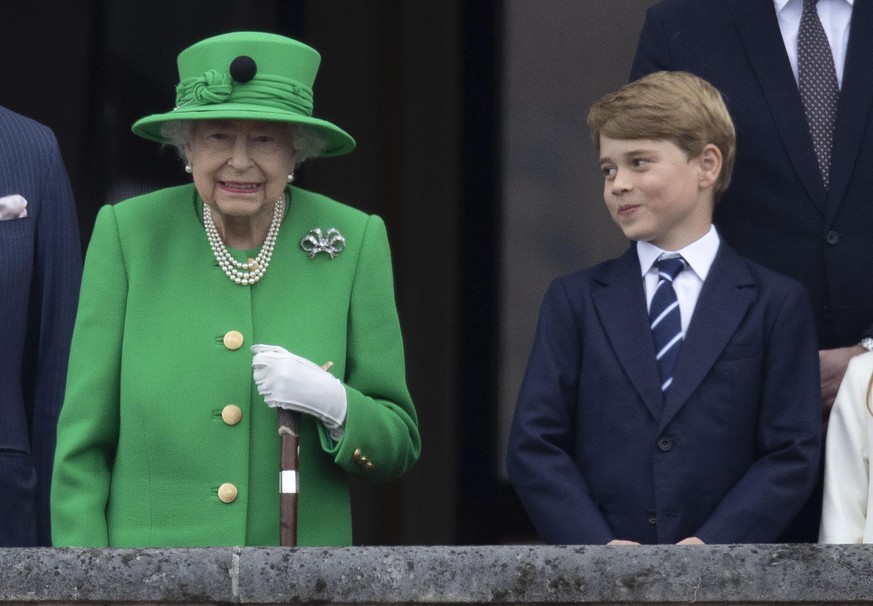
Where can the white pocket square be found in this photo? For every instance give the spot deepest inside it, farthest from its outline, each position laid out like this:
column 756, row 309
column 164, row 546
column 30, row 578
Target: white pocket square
column 13, row 207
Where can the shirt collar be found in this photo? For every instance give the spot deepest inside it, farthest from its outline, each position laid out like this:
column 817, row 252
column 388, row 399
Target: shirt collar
column 700, row 254
column 780, row 4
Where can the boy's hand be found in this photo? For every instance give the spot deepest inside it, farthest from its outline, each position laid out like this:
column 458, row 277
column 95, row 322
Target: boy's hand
column 691, row 541
column 622, row 542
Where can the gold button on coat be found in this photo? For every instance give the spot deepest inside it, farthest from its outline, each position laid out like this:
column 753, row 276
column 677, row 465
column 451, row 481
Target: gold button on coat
column 231, row 414
column 233, row 339
column 363, row 461
column 227, row 493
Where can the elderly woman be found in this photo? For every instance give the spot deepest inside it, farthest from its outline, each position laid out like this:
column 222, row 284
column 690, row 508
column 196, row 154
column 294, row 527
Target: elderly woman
column 168, row 434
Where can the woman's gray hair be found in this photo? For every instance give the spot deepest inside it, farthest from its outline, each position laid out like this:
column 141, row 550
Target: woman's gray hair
column 306, row 141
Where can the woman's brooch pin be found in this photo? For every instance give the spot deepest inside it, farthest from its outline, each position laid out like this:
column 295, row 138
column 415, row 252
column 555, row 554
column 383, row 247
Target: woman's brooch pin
column 332, row 243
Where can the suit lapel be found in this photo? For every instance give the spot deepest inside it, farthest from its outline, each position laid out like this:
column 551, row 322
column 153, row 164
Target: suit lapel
column 724, row 300
column 758, row 30
column 856, row 99
column 620, row 302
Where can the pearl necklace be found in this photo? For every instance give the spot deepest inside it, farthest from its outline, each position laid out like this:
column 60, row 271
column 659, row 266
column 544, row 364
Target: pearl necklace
column 253, row 270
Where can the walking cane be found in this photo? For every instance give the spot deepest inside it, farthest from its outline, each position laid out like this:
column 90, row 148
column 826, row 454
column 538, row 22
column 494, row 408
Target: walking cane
column 289, row 487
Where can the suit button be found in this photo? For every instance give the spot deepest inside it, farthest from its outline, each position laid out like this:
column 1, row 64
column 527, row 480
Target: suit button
column 652, row 517
column 231, row 414
column 227, row 493
column 832, row 237
column 357, row 455
column 233, row 339
column 665, row 444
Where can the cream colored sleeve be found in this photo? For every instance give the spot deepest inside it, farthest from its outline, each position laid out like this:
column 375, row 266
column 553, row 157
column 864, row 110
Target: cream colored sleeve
column 846, row 478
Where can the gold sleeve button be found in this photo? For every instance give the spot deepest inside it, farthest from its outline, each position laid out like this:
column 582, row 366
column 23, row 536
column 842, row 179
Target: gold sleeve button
column 231, row 414
column 233, row 339
column 362, row 460
column 227, row 493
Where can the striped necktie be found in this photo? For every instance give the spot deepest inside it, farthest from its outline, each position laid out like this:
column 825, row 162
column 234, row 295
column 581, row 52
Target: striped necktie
column 664, row 318
column 817, row 80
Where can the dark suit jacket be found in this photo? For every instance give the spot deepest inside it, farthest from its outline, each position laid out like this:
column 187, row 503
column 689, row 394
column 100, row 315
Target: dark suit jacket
column 40, row 269
column 597, row 453
column 777, row 211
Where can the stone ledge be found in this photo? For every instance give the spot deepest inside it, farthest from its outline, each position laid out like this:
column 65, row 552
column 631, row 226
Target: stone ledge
column 712, row 574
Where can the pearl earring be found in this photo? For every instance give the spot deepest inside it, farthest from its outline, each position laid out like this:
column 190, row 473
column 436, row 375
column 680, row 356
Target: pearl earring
column 291, row 178
column 188, row 168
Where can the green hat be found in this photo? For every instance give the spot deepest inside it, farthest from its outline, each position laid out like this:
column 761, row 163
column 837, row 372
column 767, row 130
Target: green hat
column 247, row 76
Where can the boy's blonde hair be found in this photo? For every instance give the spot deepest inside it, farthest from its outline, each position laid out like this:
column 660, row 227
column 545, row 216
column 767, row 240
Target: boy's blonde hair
column 669, row 106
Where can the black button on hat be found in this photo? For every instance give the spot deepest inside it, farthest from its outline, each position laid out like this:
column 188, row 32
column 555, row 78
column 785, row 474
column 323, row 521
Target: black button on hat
column 243, row 69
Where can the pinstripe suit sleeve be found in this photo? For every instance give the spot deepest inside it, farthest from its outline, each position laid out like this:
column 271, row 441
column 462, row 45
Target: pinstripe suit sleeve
column 57, row 274
column 39, row 283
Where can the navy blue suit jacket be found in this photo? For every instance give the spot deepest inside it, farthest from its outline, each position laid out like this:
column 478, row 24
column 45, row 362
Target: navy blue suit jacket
column 597, row 453
column 40, row 270
column 776, row 210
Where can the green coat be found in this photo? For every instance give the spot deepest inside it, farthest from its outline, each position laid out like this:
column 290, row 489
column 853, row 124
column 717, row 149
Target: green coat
column 142, row 445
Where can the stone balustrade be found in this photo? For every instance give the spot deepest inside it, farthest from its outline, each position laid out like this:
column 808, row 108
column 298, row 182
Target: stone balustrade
column 712, row 574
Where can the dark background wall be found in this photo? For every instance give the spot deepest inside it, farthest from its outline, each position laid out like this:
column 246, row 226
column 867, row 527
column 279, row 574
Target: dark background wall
column 421, row 86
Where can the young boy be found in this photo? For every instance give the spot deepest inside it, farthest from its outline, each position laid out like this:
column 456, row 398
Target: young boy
column 672, row 394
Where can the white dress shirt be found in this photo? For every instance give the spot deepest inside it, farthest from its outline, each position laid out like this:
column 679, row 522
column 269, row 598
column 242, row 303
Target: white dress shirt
column 699, row 255
column 846, row 515
column 835, row 16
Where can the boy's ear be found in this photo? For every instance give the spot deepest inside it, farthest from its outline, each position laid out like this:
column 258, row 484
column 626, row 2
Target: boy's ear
column 709, row 165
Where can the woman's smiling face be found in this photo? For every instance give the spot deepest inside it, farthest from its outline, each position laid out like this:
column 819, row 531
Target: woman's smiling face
column 240, row 167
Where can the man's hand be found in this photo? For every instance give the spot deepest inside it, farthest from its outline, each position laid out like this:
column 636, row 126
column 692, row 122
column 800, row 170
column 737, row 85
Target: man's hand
column 691, row 541
column 622, row 542
column 833, row 366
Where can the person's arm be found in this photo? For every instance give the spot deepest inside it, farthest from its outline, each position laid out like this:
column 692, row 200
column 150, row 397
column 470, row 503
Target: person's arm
column 847, row 458
column 55, row 292
column 381, row 424
column 788, row 440
column 89, row 421
column 653, row 47
column 539, row 456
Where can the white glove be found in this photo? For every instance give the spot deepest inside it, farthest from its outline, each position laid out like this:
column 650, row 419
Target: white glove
column 288, row 381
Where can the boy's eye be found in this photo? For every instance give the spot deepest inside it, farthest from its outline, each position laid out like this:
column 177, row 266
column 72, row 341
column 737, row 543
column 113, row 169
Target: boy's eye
column 640, row 162
column 608, row 171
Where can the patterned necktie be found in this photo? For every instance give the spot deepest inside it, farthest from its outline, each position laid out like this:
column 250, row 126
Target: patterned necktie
column 818, row 85
column 664, row 318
